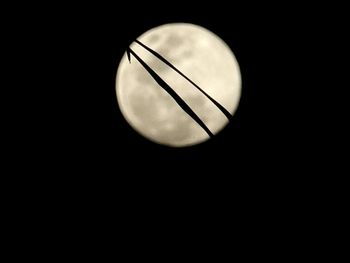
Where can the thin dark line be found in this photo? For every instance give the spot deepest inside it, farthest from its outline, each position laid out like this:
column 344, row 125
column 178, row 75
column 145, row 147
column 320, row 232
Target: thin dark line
column 171, row 92
column 217, row 104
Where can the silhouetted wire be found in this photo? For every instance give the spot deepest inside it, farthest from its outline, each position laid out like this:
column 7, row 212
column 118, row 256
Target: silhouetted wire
column 217, row 104
column 170, row 91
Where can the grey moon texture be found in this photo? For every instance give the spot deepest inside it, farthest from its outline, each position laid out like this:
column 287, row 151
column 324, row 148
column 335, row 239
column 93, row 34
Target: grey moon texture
column 204, row 58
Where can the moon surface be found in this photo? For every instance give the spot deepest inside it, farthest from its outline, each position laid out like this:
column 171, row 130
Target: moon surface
column 204, row 58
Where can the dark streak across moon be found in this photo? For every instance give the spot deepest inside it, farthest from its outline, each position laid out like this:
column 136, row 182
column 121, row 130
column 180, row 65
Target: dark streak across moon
column 217, row 104
column 170, row 91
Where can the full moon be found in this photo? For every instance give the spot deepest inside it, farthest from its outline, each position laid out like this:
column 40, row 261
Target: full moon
column 200, row 55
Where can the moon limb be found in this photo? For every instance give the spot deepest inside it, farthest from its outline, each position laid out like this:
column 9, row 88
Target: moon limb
column 199, row 54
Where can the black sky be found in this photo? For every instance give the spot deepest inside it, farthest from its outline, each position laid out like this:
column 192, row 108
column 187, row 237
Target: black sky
column 75, row 126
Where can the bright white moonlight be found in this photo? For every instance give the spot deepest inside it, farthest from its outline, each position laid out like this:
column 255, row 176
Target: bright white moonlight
column 204, row 58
